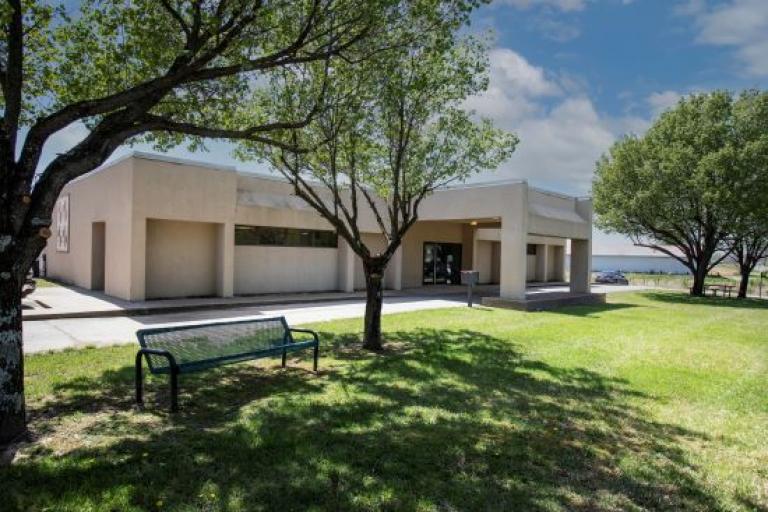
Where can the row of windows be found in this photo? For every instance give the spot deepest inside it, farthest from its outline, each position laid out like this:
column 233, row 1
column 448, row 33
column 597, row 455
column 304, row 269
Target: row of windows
column 285, row 237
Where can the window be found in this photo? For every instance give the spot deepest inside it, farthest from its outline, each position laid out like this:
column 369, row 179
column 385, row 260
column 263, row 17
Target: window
column 284, row 237
column 531, row 250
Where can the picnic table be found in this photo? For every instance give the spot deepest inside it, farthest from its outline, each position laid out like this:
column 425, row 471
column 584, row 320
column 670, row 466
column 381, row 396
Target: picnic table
column 722, row 288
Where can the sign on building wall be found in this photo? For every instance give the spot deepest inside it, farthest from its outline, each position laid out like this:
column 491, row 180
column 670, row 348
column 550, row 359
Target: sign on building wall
column 61, row 214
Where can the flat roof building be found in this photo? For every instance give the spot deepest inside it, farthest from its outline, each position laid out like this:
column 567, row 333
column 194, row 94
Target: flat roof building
column 149, row 226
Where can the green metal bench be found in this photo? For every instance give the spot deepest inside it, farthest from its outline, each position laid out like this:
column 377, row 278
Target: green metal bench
column 191, row 348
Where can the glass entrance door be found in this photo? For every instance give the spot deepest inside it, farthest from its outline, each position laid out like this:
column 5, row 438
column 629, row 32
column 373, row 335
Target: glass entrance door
column 442, row 263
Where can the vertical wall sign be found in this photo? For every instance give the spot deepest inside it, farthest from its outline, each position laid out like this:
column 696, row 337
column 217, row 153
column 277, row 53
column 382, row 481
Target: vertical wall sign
column 62, row 224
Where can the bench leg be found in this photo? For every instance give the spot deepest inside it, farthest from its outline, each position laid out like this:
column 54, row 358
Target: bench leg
column 284, row 358
column 317, row 351
column 139, row 381
column 174, row 391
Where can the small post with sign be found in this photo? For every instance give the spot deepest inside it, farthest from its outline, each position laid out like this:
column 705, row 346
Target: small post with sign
column 469, row 278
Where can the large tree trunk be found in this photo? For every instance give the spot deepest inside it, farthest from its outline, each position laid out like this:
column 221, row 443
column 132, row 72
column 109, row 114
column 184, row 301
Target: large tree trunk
column 746, row 266
column 12, row 410
column 374, row 298
column 699, row 276
column 744, row 284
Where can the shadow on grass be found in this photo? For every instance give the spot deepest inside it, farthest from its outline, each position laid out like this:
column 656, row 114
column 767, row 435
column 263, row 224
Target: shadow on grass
column 444, row 420
column 590, row 311
column 685, row 298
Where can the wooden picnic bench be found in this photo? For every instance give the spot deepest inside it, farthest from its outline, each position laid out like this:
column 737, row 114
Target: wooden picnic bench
column 197, row 347
column 723, row 288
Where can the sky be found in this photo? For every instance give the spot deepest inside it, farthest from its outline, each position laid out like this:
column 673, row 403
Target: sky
column 569, row 77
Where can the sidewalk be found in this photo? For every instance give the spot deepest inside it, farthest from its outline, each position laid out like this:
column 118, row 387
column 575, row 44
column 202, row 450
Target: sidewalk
column 45, row 335
column 69, row 302
column 58, row 302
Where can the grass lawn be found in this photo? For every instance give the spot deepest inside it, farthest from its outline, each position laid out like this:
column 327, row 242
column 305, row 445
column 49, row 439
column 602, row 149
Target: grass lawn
column 45, row 283
column 654, row 401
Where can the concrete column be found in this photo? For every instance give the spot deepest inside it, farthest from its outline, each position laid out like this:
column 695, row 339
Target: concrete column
column 346, row 262
column 138, row 259
column 225, row 272
column 581, row 251
column 394, row 274
column 581, row 272
column 542, row 262
column 514, row 235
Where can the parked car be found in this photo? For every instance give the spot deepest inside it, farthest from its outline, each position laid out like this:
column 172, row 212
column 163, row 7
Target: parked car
column 613, row 277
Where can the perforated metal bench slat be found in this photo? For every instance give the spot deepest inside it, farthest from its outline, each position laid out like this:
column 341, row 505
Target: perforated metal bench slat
column 206, row 345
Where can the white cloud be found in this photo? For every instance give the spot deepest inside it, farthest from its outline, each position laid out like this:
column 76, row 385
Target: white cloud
column 514, row 85
column 561, row 132
column 661, row 101
column 563, row 5
column 740, row 24
column 555, row 30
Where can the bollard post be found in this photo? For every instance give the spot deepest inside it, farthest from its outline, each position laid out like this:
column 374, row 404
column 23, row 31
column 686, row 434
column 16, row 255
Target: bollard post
column 470, row 278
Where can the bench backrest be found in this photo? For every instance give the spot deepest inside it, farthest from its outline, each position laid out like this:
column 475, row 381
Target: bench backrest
column 205, row 345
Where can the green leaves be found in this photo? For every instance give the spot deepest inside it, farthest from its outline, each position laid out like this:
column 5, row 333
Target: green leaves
column 696, row 179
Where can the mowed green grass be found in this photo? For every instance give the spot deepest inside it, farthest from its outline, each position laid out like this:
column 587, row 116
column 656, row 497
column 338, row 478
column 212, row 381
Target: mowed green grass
column 652, row 402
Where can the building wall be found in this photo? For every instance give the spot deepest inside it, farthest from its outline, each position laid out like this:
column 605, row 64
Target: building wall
column 143, row 202
column 181, row 259
column 98, row 197
column 654, row 264
column 267, row 269
column 483, row 261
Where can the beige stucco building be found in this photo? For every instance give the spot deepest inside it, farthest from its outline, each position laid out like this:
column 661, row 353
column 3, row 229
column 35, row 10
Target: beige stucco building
column 150, row 227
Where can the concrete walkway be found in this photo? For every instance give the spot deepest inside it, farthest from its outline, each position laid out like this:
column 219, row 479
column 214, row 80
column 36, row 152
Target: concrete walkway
column 55, row 302
column 101, row 321
column 44, row 335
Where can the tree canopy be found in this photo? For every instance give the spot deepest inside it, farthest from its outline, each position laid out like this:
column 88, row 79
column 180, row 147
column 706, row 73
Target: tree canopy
column 392, row 132
column 677, row 188
column 167, row 71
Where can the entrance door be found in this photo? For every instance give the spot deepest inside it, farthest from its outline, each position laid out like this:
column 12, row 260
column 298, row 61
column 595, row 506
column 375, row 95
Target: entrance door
column 442, row 263
column 98, row 254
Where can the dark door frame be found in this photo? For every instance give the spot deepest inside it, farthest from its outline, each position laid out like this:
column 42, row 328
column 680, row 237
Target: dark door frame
column 424, row 254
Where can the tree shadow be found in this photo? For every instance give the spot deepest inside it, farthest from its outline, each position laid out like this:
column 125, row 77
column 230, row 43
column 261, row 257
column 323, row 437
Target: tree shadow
column 444, row 419
column 684, row 298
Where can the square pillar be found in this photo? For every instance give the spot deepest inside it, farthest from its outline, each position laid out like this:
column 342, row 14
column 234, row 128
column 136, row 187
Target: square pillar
column 225, row 271
column 346, row 268
column 514, row 238
column 394, row 273
column 137, row 264
column 581, row 265
column 542, row 263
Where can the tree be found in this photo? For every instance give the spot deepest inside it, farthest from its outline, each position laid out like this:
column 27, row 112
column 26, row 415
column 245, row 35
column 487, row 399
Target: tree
column 749, row 232
column 393, row 133
column 163, row 69
column 674, row 189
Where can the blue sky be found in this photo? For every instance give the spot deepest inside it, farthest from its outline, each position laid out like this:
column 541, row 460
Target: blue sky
column 570, row 76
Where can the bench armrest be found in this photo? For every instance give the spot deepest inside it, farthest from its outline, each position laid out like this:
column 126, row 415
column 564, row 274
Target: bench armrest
column 306, row 331
column 162, row 353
